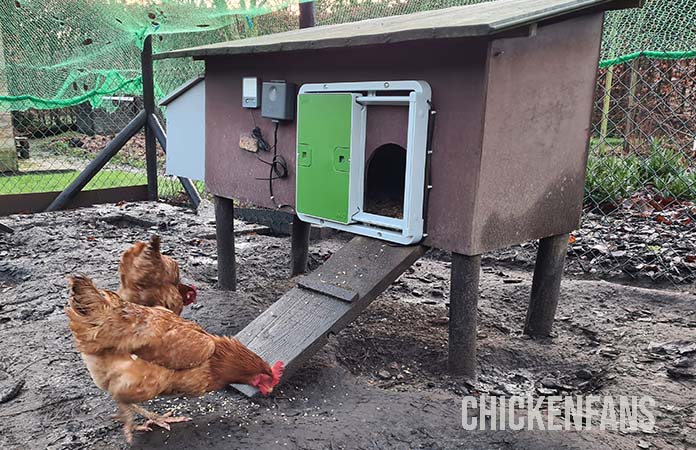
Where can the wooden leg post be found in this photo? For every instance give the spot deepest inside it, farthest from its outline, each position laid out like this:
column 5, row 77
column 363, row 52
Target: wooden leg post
column 464, row 296
column 546, row 285
column 224, row 231
column 300, row 245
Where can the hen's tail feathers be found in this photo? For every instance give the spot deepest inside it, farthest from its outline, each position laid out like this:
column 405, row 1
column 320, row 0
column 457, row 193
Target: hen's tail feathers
column 85, row 298
column 154, row 244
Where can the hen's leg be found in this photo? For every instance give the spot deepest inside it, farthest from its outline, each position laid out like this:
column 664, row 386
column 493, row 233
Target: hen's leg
column 125, row 415
column 155, row 419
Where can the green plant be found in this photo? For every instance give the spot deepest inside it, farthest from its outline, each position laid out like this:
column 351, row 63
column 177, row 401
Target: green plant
column 663, row 162
column 611, row 178
column 681, row 186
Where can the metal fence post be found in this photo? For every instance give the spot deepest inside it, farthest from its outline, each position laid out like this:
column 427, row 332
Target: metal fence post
column 307, row 16
column 634, row 67
column 149, row 104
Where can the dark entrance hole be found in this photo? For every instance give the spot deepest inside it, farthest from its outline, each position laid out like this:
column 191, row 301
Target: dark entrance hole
column 385, row 181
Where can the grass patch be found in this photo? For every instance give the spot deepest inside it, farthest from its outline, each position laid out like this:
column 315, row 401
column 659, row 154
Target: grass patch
column 51, row 182
column 612, row 178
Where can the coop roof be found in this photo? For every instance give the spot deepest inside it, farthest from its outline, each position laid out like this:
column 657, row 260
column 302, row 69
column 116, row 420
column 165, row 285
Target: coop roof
column 483, row 19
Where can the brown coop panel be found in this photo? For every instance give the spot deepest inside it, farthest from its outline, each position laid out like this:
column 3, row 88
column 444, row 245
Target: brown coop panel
column 535, row 142
column 517, row 178
column 454, row 69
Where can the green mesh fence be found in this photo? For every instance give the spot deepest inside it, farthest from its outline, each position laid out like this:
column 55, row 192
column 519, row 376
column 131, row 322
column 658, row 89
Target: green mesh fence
column 60, row 53
column 662, row 29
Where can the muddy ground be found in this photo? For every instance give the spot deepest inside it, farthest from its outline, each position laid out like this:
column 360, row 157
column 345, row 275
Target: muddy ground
column 379, row 384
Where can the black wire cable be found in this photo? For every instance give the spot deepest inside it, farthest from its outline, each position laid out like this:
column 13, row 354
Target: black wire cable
column 261, row 143
column 278, row 167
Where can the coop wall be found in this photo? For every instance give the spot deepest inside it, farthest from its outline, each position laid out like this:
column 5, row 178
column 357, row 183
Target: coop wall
column 519, row 178
column 536, row 135
column 453, row 68
column 186, row 134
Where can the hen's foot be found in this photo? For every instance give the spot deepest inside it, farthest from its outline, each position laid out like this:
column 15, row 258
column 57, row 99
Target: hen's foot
column 162, row 421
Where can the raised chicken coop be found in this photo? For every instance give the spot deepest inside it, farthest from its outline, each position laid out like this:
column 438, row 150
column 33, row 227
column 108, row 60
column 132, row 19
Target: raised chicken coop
column 464, row 129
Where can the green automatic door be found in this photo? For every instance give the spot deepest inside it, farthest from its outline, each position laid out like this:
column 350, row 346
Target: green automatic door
column 324, row 132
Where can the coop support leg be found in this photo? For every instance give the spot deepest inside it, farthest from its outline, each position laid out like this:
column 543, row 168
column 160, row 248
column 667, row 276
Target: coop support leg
column 464, row 296
column 224, row 231
column 300, row 245
column 546, row 285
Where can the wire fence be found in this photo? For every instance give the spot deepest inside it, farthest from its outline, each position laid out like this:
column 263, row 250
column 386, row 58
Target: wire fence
column 45, row 150
column 641, row 178
column 640, row 204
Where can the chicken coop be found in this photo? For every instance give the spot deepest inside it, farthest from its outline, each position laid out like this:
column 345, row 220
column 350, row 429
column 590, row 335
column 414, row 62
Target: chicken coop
column 465, row 129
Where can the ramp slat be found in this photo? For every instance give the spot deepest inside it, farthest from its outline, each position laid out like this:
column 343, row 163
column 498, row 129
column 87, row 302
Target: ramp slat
column 298, row 324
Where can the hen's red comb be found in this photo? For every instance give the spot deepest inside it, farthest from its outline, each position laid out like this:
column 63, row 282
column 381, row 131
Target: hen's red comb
column 277, row 369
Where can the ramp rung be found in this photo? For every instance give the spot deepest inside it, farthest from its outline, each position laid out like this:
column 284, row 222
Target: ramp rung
column 326, row 288
column 298, row 324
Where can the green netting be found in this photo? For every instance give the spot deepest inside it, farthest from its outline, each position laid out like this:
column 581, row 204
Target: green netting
column 59, row 53
column 661, row 29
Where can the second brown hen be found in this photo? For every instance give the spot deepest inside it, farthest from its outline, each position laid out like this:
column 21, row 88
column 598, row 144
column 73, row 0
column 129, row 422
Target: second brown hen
column 150, row 278
column 137, row 353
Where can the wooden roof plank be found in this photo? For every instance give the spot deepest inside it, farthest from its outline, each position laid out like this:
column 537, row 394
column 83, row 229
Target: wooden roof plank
column 483, row 19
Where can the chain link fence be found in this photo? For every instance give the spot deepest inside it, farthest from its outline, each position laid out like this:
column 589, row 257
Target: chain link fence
column 641, row 182
column 641, row 177
column 44, row 150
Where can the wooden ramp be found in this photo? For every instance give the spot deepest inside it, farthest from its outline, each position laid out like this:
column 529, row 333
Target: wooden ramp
column 324, row 302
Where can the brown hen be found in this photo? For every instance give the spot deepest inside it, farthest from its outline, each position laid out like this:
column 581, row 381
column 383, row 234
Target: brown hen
column 150, row 278
column 137, row 353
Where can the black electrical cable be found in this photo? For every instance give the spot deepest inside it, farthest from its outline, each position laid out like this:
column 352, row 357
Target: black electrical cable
column 278, row 167
column 261, row 143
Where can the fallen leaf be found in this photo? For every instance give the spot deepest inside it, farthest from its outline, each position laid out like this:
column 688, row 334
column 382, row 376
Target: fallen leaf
column 663, row 219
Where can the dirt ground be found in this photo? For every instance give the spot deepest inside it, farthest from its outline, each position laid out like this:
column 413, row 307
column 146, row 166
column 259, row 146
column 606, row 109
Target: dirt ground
column 379, row 384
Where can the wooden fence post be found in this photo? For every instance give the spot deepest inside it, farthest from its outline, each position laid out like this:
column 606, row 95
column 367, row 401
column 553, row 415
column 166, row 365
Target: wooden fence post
column 604, row 128
column 630, row 109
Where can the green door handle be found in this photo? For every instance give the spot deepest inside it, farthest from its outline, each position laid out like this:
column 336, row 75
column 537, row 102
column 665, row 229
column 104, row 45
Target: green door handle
column 341, row 160
column 304, row 155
